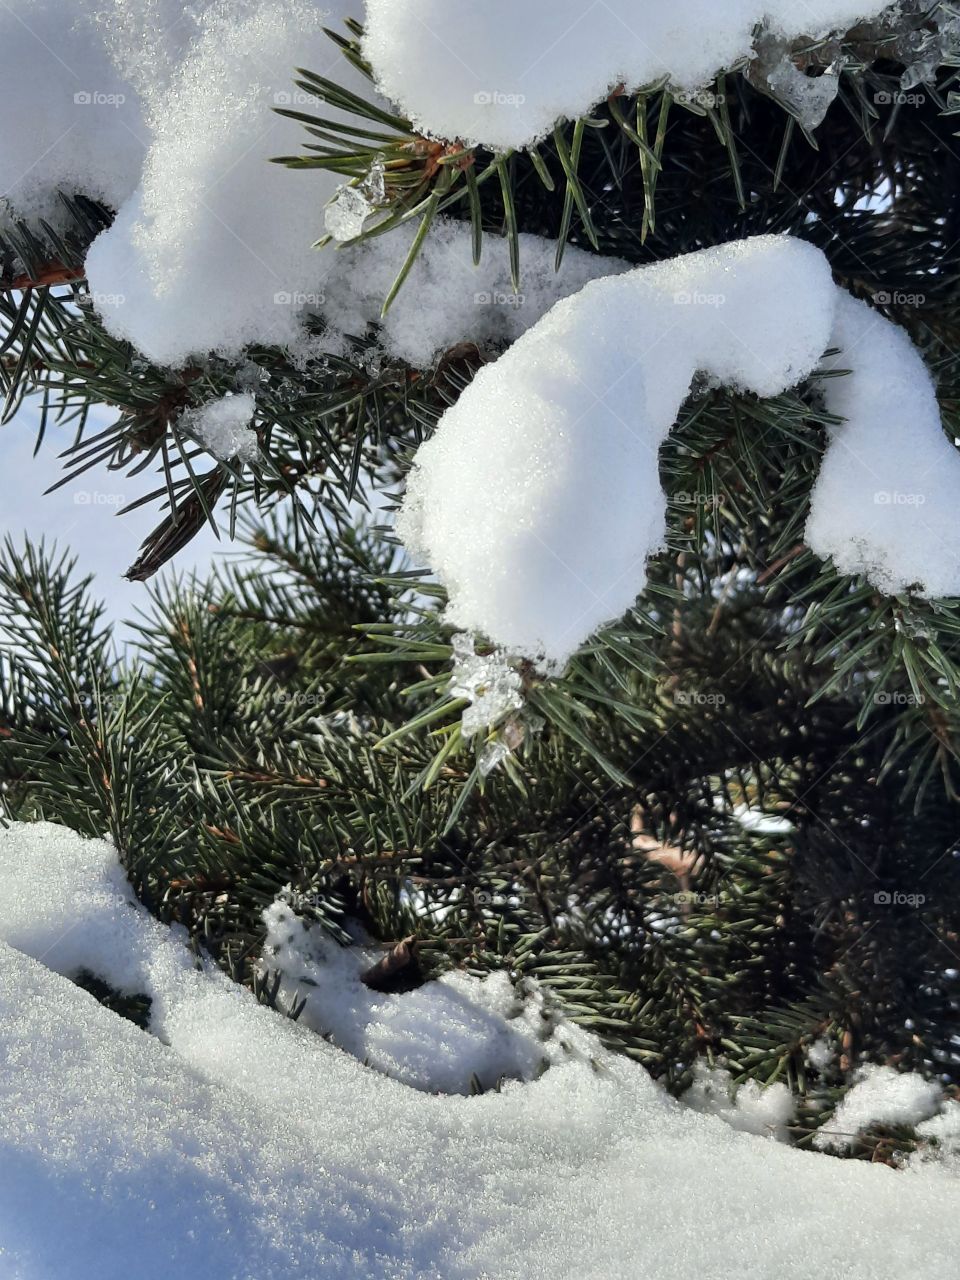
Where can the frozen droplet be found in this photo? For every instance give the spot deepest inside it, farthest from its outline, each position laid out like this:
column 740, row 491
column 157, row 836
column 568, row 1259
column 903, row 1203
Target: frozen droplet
column 346, row 213
column 489, row 682
column 353, row 204
column 374, row 185
column 809, row 97
column 492, row 755
column 250, row 376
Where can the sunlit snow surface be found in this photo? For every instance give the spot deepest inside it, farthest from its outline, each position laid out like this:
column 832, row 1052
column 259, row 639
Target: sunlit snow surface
column 502, row 74
column 236, row 1145
column 537, row 501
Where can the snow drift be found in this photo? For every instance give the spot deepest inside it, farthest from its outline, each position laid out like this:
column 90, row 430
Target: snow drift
column 238, row 1145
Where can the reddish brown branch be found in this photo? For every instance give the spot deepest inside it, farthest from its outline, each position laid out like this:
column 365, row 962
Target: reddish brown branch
column 397, row 971
column 777, row 565
column 53, row 273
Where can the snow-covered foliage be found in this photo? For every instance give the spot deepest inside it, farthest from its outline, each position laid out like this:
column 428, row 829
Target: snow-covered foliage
column 438, row 1038
column 884, row 504
column 212, row 247
column 173, row 97
column 236, row 1144
column 881, row 1096
column 503, row 74
column 446, row 300
column 74, row 77
column 940, row 1136
column 749, row 1107
column 537, row 501
column 209, row 236
column 212, row 251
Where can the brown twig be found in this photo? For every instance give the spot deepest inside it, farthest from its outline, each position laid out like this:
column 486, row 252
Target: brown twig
column 777, row 565
column 399, row 970
column 53, row 273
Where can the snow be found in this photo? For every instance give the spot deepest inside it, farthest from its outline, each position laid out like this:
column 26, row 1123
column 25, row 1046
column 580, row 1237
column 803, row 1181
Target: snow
column 940, row 1139
column 213, row 250
column 79, row 124
column 212, row 247
column 821, row 1054
column 438, row 1038
column 881, row 1095
column 352, row 205
column 502, row 74
column 177, row 136
column 446, row 301
column 163, row 106
column 537, row 501
column 749, row 1106
column 223, row 426
column 884, row 503
column 236, row 1144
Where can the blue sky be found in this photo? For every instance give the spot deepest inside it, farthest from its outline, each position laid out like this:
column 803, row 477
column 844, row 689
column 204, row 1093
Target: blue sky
column 83, row 516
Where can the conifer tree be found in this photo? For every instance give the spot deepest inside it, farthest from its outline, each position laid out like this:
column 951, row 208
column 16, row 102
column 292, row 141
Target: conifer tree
column 726, row 830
